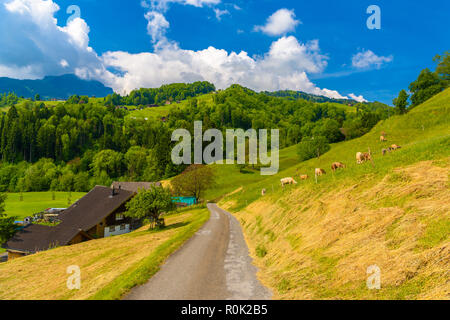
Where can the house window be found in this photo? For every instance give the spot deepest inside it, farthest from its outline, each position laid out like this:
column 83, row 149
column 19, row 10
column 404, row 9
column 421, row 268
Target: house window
column 119, row 216
column 122, row 227
column 112, row 229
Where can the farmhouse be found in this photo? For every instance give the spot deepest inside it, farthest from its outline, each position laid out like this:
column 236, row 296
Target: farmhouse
column 98, row 214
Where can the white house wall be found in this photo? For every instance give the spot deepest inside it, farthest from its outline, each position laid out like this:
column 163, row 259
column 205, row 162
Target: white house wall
column 117, row 231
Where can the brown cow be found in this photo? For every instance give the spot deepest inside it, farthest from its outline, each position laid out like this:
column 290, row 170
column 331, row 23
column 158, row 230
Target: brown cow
column 337, row 165
column 395, row 147
column 383, row 138
column 384, row 151
column 304, row 177
column 361, row 157
column 367, row 156
column 318, row 172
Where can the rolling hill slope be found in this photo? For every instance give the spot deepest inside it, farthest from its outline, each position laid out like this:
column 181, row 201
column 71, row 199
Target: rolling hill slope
column 316, row 241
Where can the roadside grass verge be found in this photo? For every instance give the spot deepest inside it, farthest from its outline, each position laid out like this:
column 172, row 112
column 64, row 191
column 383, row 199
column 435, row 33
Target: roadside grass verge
column 109, row 266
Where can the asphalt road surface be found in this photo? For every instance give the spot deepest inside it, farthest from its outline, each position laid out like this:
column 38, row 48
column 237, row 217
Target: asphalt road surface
column 213, row 265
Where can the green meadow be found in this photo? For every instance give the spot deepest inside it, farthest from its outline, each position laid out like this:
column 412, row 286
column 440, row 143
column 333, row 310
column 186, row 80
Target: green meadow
column 28, row 203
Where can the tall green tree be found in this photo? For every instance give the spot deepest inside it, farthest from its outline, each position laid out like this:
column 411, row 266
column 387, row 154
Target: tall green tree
column 136, row 160
column 7, row 226
column 150, row 204
column 401, row 102
column 109, row 162
column 443, row 67
column 194, row 181
column 427, row 85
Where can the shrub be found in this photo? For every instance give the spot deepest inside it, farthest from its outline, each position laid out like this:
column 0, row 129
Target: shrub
column 312, row 147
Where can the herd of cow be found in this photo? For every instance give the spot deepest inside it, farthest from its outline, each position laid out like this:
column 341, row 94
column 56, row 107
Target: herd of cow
column 361, row 157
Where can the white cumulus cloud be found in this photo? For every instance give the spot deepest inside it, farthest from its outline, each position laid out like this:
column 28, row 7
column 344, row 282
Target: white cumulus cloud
column 357, row 98
column 279, row 23
column 157, row 25
column 367, row 59
column 32, row 46
column 283, row 67
column 164, row 4
column 219, row 13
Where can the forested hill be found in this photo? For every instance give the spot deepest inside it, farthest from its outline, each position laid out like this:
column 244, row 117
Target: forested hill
column 54, row 87
column 76, row 144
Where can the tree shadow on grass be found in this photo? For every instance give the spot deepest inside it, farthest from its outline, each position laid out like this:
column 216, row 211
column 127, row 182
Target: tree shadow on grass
column 158, row 230
column 247, row 171
column 175, row 225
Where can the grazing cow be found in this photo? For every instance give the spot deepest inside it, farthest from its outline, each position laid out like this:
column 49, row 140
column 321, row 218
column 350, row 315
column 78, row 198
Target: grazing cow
column 318, row 172
column 304, row 177
column 384, row 151
column 289, row 180
column 263, row 192
column 367, row 156
column 361, row 157
column 383, row 138
column 395, row 147
column 337, row 165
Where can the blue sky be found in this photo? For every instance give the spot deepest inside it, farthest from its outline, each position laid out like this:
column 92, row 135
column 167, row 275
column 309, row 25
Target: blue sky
column 331, row 50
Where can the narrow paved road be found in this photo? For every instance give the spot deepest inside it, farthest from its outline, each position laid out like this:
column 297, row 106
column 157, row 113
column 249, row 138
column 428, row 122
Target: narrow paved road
column 213, row 264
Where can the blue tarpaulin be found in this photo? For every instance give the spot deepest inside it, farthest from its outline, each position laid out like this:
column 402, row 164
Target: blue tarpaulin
column 190, row 201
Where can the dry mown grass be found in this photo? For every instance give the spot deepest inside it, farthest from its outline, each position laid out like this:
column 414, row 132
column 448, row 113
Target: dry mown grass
column 312, row 244
column 43, row 275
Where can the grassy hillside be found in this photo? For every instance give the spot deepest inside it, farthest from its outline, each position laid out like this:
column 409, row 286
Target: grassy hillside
column 317, row 240
column 109, row 267
column 163, row 111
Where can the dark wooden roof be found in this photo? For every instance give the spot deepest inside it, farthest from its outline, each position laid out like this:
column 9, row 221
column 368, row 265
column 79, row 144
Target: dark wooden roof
column 32, row 238
column 84, row 214
column 134, row 186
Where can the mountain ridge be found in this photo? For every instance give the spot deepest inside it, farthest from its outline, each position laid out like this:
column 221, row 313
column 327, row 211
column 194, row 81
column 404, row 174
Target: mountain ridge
column 54, row 87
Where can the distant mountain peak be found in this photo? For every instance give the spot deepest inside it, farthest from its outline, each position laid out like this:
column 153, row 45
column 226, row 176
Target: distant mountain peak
column 54, row 87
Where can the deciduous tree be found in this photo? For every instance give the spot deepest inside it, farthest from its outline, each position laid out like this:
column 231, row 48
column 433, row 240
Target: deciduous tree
column 150, row 204
column 401, row 102
column 7, row 226
column 194, row 181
